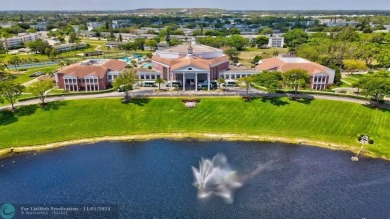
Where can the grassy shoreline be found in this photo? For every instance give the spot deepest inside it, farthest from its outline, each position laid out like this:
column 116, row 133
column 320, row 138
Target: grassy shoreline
column 317, row 122
column 5, row 152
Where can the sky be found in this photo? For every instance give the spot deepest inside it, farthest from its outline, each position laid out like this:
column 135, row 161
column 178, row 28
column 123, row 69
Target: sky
column 222, row 4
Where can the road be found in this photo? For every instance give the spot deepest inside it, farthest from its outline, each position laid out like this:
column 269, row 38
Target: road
column 149, row 92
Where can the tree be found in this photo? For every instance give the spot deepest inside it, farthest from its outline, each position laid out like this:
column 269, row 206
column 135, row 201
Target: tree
column 15, row 60
column 234, row 30
column 139, row 43
column 3, row 65
column 246, row 81
column 256, row 59
column 238, row 42
column 275, row 53
column 296, row 78
column 40, row 89
column 352, row 65
column 159, row 81
column 232, row 53
column 125, row 81
column 272, row 80
column 151, row 43
column 120, row 38
column 376, row 86
column 266, row 31
column 261, row 40
column 10, row 90
column 53, row 53
column 337, row 75
column 294, row 38
column 221, row 81
column 72, row 37
column 174, row 42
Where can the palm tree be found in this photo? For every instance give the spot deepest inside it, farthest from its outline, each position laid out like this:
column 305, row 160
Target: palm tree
column 275, row 53
column 159, row 81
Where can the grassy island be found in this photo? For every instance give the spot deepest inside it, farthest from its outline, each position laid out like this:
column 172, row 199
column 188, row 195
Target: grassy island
column 330, row 122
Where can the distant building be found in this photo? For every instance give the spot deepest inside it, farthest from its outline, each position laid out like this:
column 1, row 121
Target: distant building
column 87, row 33
column 68, row 47
column 89, row 75
column 320, row 76
column 40, row 26
column 94, row 25
column 17, row 42
column 116, row 24
column 276, row 42
column 114, row 44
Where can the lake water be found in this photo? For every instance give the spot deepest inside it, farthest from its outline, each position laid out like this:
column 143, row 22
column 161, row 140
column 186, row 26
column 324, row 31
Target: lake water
column 153, row 179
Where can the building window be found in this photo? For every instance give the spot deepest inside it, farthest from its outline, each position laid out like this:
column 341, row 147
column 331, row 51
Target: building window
column 146, row 76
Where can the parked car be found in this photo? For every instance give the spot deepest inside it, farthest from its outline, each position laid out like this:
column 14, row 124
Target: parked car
column 174, row 84
column 230, row 84
column 149, row 84
column 37, row 74
column 204, row 85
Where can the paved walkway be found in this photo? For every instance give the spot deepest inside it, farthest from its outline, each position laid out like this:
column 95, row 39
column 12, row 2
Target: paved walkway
column 149, row 92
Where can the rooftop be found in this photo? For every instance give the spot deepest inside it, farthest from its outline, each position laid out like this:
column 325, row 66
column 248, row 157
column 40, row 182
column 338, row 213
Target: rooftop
column 284, row 64
column 93, row 67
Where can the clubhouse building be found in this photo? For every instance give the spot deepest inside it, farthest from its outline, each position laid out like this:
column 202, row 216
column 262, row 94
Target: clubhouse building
column 187, row 66
column 89, row 75
column 320, row 76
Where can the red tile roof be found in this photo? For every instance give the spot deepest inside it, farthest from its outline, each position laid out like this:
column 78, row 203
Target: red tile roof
column 285, row 64
column 80, row 70
column 190, row 60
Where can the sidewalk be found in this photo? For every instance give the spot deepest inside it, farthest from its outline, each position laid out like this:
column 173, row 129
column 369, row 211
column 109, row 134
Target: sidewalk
column 151, row 93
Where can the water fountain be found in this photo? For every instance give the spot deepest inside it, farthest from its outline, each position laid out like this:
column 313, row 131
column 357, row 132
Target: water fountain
column 216, row 177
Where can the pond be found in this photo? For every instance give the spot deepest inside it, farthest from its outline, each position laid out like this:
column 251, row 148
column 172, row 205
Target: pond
column 154, row 179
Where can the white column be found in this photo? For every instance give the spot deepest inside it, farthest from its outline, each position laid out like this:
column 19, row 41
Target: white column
column 184, row 82
column 170, row 79
column 98, row 84
column 196, row 81
column 208, row 81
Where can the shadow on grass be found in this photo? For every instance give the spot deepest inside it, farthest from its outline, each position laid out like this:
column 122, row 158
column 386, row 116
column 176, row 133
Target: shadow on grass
column 138, row 101
column 277, row 101
column 379, row 106
column 7, row 117
column 26, row 110
column 306, row 100
column 55, row 105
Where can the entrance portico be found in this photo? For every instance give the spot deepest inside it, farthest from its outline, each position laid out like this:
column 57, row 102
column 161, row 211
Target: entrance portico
column 188, row 75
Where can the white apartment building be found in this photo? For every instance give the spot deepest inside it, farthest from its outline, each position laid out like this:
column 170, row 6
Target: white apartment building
column 18, row 41
column 276, row 42
column 94, row 25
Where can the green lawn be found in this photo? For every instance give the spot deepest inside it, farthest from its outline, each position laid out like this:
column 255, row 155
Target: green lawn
column 25, row 76
column 25, row 95
column 322, row 120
